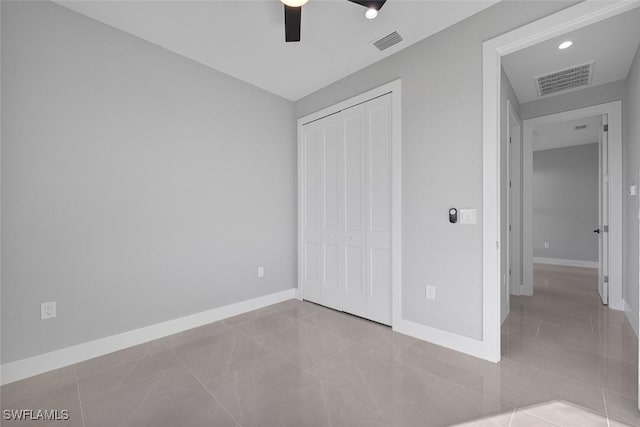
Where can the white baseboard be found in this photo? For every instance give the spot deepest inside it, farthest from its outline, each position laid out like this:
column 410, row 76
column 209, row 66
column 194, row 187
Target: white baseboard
column 631, row 317
column 566, row 262
column 24, row 368
column 470, row 346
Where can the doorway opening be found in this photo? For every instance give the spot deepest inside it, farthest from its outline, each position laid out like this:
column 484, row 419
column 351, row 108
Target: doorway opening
column 557, row 226
column 546, row 31
column 570, row 210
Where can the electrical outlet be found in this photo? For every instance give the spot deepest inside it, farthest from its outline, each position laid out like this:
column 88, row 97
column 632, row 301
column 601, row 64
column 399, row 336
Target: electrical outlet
column 47, row 310
column 260, row 271
column 546, row 245
column 431, row 292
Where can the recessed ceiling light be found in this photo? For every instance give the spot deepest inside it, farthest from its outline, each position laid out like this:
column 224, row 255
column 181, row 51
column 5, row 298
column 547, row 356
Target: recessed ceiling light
column 294, row 3
column 371, row 13
column 565, row 45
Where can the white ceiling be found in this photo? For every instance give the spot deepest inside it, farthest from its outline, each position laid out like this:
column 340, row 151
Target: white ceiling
column 611, row 43
column 563, row 134
column 245, row 39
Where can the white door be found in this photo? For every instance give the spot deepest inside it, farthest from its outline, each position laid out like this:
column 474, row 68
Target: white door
column 347, row 210
column 603, row 226
column 379, row 209
column 323, row 144
column 355, row 243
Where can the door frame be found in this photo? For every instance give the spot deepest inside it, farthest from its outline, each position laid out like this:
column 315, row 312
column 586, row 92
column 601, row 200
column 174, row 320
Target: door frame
column 570, row 19
column 614, row 112
column 514, row 170
column 395, row 89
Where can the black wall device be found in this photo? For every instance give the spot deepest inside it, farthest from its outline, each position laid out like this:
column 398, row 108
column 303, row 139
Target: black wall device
column 453, row 215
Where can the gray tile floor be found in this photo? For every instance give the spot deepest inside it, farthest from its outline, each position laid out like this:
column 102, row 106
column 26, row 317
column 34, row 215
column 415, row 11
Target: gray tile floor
column 566, row 361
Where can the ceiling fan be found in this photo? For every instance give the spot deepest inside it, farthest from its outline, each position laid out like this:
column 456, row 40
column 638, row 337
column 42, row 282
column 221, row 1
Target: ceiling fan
column 293, row 15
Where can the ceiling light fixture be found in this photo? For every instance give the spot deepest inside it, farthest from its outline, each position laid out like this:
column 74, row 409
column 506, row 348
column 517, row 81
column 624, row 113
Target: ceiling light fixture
column 565, row 45
column 371, row 13
column 294, row 3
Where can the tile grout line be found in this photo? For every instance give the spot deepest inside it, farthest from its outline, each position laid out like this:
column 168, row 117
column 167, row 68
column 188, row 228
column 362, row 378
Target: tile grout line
column 204, row 387
column 324, row 404
column 319, row 379
column 540, row 417
column 538, row 331
column 555, row 374
column 315, row 375
column 513, row 415
column 75, row 377
column 606, row 410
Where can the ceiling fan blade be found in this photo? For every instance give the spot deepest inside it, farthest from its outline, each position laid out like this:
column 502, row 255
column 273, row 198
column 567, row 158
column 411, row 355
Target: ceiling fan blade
column 292, row 22
column 370, row 4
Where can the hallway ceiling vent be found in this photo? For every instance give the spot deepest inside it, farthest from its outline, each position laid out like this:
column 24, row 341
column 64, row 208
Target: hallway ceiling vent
column 580, row 127
column 564, row 80
column 388, row 41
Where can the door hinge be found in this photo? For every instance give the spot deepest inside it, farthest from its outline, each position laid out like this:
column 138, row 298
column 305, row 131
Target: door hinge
column 606, row 128
column 605, row 228
column 606, row 279
column 497, row 245
column 509, row 140
column 509, row 184
column 509, row 227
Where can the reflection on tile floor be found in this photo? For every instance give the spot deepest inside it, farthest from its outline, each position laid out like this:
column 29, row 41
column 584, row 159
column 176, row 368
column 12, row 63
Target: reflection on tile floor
column 567, row 361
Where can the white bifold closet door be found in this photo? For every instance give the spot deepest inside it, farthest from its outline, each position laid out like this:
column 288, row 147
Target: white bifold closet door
column 346, row 213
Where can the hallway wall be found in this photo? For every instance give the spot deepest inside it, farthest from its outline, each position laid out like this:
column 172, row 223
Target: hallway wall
column 631, row 156
column 565, row 203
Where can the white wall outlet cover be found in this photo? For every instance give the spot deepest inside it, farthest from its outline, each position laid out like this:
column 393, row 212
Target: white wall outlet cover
column 633, row 190
column 48, row 310
column 546, row 245
column 260, row 271
column 431, row 292
column 468, row 216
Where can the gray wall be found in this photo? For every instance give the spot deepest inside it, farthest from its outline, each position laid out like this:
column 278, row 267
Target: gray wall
column 631, row 156
column 565, row 202
column 595, row 95
column 137, row 186
column 506, row 92
column 442, row 159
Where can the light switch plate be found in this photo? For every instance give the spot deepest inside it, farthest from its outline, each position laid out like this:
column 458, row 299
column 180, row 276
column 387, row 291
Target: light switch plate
column 468, row 216
column 633, row 190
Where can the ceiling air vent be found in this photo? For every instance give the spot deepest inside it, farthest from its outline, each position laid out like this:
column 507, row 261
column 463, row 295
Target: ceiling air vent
column 580, row 127
column 388, row 41
column 563, row 80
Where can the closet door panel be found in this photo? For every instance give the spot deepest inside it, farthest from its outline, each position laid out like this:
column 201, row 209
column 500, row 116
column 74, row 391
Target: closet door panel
column 354, row 210
column 379, row 209
column 332, row 224
column 330, row 175
column 347, row 210
column 312, row 239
